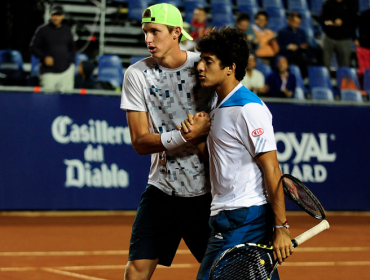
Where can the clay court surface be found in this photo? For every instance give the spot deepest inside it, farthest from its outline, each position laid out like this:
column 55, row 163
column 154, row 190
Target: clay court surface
column 94, row 246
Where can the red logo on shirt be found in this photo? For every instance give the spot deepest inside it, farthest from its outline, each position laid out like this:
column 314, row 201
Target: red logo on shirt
column 257, row 132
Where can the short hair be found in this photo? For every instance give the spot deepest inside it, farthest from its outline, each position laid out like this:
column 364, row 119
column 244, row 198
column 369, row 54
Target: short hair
column 294, row 14
column 230, row 46
column 199, row 8
column 148, row 13
column 261, row 13
column 242, row 17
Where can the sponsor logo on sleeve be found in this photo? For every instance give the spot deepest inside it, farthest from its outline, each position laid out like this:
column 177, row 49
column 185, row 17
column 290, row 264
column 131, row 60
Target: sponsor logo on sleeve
column 257, row 132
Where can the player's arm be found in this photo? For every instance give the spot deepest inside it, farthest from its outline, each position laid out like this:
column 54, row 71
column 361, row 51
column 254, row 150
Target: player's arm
column 187, row 126
column 146, row 143
column 269, row 164
column 142, row 141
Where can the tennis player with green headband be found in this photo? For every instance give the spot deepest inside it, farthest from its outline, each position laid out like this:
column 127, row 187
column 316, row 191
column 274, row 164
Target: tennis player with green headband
column 158, row 93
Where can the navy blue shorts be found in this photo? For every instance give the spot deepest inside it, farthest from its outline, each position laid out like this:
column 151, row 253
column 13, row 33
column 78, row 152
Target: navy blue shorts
column 229, row 228
column 162, row 220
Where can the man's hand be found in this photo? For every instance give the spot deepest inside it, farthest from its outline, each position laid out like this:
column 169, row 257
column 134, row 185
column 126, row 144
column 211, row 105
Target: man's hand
column 283, row 247
column 304, row 46
column 292, row 47
column 338, row 22
column 195, row 127
column 49, row 61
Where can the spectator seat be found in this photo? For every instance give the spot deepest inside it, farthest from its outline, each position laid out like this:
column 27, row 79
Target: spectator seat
column 277, row 18
column 110, row 70
column 80, row 57
column 318, row 76
column 222, row 15
column 316, row 7
column 136, row 9
column 297, row 4
column 11, row 66
column 351, row 95
column 363, row 5
column 190, row 6
column 322, row 93
column 272, row 4
column 350, row 74
column 294, row 69
column 264, row 68
column 135, row 59
column 367, row 81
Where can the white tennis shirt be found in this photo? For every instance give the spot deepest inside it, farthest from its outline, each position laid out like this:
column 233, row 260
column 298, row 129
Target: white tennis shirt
column 241, row 128
column 168, row 95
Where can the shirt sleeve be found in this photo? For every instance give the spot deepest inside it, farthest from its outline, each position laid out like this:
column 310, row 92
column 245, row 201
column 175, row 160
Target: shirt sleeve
column 133, row 91
column 36, row 44
column 255, row 130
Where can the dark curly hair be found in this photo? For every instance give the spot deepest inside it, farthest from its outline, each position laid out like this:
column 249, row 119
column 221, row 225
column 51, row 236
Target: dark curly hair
column 230, row 46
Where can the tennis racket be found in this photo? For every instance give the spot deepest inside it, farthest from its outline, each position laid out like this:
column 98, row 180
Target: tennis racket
column 250, row 261
column 302, row 196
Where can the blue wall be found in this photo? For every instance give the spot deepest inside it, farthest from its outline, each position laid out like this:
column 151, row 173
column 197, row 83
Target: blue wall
column 74, row 152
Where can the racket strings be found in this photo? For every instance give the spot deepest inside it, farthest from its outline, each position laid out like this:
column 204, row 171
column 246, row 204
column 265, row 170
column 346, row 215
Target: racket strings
column 303, row 197
column 248, row 263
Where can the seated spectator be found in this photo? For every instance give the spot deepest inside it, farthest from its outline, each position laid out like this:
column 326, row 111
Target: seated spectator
column 187, row 45
column 339, row 21
column 363, row 45
column 293, row 43
column 243, row 24
column 84, row 78
column 199, row 24
column 254, row 79
column 267, row 47
column 280, row 83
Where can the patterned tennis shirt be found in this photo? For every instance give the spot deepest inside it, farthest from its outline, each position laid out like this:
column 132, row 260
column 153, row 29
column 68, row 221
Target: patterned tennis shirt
column 168, row 95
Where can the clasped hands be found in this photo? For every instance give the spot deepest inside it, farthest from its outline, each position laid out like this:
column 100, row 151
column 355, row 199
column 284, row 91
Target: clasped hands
column 195, row 128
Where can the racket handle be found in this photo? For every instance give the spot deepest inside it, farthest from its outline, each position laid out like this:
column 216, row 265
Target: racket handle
column 310, row 233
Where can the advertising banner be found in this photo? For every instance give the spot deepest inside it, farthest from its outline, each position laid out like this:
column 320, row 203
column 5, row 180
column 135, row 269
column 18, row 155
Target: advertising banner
column 67, row 152
column 74, row 152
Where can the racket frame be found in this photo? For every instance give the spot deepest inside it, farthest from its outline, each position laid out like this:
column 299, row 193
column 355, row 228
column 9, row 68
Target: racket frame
column 298, row 201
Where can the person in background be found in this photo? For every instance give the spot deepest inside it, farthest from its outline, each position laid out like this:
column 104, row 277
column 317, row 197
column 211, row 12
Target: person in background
column 339, row 21
column 293, row 43
column 53, row 44
column 267, row 47
column 84, row 77
column 242, row 23
column 187, row 45
column 254, row 79
column 363, row 44
column 280, row 82
column 199, row 24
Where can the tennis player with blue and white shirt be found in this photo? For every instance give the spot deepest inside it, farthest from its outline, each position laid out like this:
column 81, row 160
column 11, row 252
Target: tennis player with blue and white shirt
column 247, row 195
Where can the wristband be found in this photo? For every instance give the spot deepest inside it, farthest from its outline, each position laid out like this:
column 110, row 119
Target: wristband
column 172, row 139
column 285, row 225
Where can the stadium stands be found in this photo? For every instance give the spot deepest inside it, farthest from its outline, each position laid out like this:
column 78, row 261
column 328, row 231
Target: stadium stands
column 316, row 7
column 250, row 10
column 135, row 59
column 363, row 5
column 136, row 8
column 351, row 78
column 11, row 67
column 222, row 15
column 367, row 81
column 297, row 4
column 272, row 4
column 322, row 93
column 190, row 6
column 110, row 70
column 80, row 57
column 264, row 68
column 277, row 18
column 294, row 69
column 34, row 66
column 318, row 76
column 351, row 95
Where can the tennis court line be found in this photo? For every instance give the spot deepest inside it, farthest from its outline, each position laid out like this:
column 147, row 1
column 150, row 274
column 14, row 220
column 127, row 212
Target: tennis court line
column 72, row 274
column 180, row 252
column 133, row 213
